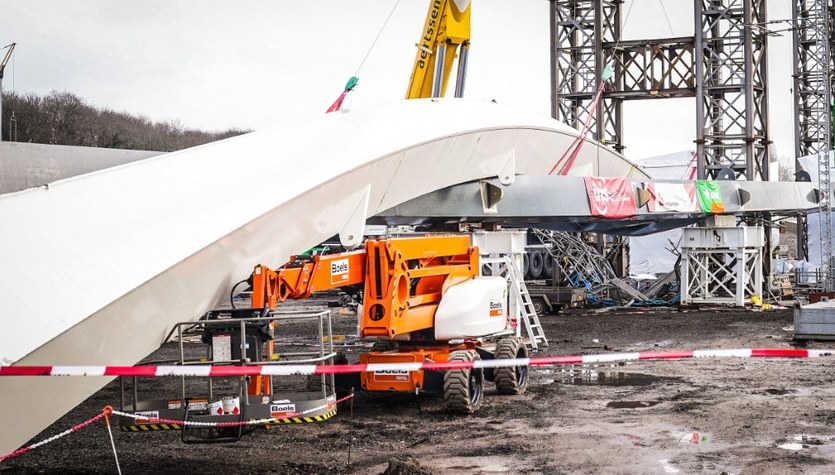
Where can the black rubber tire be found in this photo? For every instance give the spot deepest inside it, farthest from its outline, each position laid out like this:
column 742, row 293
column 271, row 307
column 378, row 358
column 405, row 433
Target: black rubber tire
column 464, row 388
column 537, row 263
column 539, row 305
column 511, row 379
column 526, row 266
column 548, row 266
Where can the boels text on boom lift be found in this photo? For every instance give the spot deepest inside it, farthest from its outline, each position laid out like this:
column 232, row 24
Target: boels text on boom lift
column 423, row 300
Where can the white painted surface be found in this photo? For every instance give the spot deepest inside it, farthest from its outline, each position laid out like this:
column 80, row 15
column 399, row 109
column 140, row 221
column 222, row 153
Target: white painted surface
column 97, row 268
column 29, row 165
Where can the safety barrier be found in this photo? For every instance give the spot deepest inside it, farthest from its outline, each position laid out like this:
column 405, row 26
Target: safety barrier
column 107, row 411
column 287, row 370
column 218, row 371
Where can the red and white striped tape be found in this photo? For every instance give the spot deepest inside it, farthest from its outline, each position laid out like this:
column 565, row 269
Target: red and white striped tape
column 285, row 370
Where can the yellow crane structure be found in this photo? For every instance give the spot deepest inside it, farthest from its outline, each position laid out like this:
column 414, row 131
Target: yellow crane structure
column 445, row 35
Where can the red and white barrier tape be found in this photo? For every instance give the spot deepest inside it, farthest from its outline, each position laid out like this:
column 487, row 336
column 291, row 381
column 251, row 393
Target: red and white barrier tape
column 69, row 431
column 285, row 370
column 108, row 410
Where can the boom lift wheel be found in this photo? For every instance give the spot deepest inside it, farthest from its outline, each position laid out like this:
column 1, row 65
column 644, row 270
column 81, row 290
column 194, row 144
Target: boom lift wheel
column 511, row 379
column 464, row 388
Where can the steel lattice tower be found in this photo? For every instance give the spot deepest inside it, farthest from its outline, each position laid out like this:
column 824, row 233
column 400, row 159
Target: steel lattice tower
column 723, row 65
column 813, row 85
column 579, row 30
column 731, row 78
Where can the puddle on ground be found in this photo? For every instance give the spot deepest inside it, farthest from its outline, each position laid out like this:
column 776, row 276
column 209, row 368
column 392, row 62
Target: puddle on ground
column 632, row 404
column 606, row 378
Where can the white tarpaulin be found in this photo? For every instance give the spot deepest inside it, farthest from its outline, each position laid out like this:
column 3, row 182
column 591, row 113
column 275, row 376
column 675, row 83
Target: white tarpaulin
column 652, row 254
column 672, row 197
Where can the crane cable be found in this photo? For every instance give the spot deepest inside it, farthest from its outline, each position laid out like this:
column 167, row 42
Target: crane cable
column 573, row 150
column 352, row 82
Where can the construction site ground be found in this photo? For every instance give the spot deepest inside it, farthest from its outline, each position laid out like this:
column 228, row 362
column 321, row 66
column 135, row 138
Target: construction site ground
column 690, row 416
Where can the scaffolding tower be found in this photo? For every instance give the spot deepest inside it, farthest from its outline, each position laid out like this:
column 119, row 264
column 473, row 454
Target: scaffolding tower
column 813, row 85
column 723, row 66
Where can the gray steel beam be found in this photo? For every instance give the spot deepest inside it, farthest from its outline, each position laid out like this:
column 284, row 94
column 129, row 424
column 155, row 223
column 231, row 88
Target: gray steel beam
column 540, row 201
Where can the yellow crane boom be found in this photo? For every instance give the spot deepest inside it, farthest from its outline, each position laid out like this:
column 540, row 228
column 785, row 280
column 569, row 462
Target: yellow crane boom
column 446, row 30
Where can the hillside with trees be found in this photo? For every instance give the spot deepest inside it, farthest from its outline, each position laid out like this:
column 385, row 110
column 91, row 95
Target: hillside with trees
column 62, row 118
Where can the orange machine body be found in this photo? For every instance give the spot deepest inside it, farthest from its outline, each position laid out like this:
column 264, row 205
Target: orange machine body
column 403, row 282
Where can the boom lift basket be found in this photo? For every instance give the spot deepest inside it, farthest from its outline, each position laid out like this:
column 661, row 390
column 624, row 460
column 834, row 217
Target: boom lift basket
column 235, row 337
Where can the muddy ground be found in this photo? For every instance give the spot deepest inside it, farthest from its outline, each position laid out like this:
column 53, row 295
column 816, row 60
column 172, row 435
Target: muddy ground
column 691, row 416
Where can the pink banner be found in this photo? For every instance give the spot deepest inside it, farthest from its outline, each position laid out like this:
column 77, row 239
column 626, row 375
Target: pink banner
column 610, row 197
column 679, row 197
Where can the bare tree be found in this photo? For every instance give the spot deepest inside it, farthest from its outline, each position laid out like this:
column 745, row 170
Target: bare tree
column 62, row 118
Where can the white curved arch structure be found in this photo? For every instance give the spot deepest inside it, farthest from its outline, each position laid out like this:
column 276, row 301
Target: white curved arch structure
column 97, row 268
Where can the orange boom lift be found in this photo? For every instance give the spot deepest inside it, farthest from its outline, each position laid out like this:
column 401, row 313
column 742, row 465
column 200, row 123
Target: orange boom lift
column 423, row 300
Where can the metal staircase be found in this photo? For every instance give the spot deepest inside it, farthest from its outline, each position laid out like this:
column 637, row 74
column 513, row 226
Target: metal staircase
column 509, row 268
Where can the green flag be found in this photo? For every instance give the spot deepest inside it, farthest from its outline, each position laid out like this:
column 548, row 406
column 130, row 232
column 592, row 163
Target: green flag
column 710, row 198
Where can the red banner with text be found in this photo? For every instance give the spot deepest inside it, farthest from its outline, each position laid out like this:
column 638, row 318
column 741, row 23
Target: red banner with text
column 610, row 197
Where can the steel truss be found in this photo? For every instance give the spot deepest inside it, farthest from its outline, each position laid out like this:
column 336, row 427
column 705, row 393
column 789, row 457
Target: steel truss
column 722, row 264
column 580, row 264
column 723, row 66
column 721, row 276
column 732, row 104
column 813, row 85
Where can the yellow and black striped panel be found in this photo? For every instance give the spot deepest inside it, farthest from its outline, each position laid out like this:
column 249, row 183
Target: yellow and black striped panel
column 149, row 427
column 302, row 420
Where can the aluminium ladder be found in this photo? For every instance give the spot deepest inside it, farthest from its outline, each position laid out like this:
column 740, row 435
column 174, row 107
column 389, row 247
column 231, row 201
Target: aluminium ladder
column 526, row 309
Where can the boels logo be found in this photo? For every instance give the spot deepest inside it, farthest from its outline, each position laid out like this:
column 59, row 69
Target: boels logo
column 496, row 309
column 339, row 271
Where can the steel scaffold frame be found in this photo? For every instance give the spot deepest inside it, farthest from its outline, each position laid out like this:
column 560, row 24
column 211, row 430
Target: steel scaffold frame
column 731, row 78
column 723, row 65
column 585, row 36
column 722, row 264
column 721, row 276
column 813, row 85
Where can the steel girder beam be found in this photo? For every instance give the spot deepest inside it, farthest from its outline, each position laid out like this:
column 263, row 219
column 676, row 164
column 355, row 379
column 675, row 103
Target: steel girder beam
column 731, row 96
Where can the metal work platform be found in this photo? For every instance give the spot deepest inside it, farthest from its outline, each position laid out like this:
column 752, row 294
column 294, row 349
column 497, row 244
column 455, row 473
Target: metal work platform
column 815, row 321
column 229, row 340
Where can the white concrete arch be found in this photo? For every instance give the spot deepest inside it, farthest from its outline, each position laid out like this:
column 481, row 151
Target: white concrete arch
column 97, row 268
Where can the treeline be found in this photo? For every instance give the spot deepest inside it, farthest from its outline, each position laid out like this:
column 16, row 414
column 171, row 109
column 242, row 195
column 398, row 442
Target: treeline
column 62, row 118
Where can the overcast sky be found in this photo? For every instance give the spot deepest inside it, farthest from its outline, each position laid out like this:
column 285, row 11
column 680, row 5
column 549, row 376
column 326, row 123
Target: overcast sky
column 215, row 64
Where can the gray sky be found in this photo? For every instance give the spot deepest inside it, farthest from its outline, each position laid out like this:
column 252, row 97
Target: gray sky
column 264, row 63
